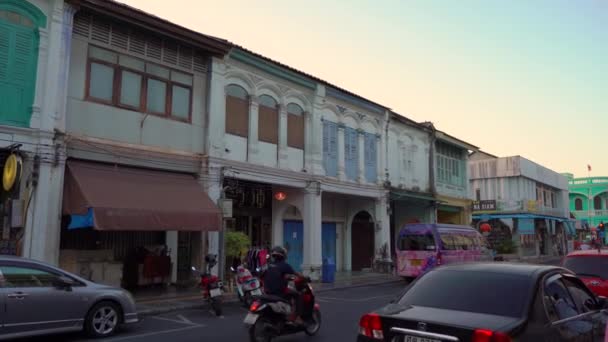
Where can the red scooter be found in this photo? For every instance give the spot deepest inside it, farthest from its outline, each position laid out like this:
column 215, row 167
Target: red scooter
column 212, row 287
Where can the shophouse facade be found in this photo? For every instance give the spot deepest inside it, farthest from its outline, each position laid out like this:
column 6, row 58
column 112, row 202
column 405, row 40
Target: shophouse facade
column 589, row 199
column 525, row 203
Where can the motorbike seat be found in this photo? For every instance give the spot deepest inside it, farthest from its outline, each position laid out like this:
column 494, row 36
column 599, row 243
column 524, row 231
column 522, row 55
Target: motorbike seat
column 272, row 298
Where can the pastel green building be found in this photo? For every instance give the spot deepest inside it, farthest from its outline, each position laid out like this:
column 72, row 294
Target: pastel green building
column 589, row 199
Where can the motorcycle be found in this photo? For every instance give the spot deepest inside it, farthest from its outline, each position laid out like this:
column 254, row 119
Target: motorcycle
column 211, row 285
column 268, row 316
column 247, row 285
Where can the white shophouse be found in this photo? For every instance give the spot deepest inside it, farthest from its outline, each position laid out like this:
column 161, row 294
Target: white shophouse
column 275, row 132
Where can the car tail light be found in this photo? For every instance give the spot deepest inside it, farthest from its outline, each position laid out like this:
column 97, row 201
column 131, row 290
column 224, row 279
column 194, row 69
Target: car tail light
column 370, row 325
column 439, row 259
column 254, row 306
column 482, row 335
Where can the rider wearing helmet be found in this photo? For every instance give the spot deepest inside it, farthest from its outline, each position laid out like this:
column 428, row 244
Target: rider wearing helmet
column 275, row 279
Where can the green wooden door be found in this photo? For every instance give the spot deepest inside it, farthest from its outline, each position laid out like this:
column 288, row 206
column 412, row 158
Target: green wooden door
column 18, row 60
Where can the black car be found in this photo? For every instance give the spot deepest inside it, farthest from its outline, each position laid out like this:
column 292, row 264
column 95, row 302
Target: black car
column 490, row 302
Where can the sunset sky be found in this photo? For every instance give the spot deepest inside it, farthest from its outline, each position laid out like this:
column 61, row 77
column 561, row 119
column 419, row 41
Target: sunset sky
column 514, row 77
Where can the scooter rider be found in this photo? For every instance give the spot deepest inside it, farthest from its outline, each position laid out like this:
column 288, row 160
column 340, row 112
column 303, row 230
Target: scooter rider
column 275, row 278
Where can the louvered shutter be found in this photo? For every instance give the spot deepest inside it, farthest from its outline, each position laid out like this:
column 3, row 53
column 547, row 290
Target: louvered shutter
column 351, row 153
column 330, row 148
column 17, row 74
column 371, row 170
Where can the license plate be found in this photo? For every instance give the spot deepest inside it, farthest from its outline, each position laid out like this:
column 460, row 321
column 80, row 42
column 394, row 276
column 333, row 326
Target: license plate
column 256, row 292
column 416, row 262
column 409, row 338
column 215, row 292
column 251, row 318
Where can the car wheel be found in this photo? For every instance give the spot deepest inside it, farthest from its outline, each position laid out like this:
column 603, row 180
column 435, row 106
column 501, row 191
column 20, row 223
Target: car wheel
column 103, row 319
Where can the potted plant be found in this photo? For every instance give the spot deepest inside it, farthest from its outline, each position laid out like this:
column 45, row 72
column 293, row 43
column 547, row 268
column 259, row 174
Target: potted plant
column 237, row 244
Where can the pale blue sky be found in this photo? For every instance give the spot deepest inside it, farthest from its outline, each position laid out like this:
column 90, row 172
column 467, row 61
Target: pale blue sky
column 516, row 77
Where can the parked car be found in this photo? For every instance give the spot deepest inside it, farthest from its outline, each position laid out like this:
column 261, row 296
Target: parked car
column 592, row 267
column 37, row 298
column 420, row 247
column 494, row 302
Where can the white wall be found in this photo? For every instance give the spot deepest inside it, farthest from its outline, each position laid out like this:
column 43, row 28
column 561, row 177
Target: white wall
column 408, row 157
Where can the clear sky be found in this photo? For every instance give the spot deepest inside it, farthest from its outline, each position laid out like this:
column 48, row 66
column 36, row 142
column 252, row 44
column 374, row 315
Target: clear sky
column 515, row 77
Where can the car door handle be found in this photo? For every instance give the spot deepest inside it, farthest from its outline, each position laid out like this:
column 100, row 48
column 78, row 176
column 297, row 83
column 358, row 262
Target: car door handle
column 17, row 295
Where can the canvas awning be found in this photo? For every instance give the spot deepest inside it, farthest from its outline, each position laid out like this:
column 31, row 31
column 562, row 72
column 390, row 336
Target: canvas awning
column 122, row 198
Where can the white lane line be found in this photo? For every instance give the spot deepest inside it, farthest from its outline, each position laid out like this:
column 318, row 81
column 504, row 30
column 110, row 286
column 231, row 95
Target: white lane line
column 180, row 321
column 153, row 333
column 184, row 319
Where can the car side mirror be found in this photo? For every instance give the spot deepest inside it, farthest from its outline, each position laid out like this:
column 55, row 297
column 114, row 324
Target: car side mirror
column 63, row 283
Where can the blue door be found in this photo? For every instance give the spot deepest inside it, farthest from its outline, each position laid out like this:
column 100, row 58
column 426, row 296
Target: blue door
column 293, row 241
column 328, row 241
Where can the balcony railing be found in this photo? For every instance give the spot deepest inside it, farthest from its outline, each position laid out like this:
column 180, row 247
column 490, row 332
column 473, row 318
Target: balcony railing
column 591, row 181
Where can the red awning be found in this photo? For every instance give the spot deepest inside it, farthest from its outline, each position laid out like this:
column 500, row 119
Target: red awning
column 125, row 198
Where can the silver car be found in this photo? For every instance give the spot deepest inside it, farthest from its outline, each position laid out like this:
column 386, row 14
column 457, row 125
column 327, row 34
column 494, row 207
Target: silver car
column 37, row 298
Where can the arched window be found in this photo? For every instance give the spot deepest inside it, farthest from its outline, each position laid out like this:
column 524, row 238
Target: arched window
column 19, row 23
column 578, row 204
column 237, row 110
column 597, row 203
column 295, row 126
column 268, row 120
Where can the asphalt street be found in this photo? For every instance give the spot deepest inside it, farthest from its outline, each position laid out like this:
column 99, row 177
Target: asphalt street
column 341, row 310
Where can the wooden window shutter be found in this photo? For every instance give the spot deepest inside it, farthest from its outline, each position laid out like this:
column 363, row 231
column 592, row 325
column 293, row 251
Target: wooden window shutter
column 18, row 59
column 237, row 116
column 295, row 131
column 268, row 124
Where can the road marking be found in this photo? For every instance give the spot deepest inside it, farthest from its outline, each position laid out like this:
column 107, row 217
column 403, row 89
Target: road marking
column 353, row 300
column 180, row 320
column 122, row 338
column 184, row 319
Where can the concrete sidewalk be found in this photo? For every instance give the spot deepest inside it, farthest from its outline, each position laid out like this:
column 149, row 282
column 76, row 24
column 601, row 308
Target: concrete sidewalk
column 186, row 300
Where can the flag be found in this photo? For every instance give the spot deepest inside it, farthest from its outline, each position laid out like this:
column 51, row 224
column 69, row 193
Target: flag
column 588, row 167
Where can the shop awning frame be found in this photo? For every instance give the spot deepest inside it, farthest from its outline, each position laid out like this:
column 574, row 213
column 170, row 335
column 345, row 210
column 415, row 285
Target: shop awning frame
column 121, row 198
column 397, row 195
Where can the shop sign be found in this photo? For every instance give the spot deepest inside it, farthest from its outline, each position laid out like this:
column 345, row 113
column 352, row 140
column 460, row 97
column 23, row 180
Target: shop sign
column 11, row 172
column 484, row 205
column 532, row 205
column 226, row 205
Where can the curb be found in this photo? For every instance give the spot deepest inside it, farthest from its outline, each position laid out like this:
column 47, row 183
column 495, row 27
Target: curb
column 200, row 303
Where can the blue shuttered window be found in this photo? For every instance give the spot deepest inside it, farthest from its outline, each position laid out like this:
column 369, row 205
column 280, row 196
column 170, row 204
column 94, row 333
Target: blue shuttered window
column 330, row 148
column 351, row 153
column 371, row 162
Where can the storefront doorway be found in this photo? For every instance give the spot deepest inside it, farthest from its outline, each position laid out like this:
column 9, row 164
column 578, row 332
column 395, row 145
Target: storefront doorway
column 362, row 241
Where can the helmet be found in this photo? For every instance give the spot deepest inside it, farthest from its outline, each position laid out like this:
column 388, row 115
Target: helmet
column 279, row 251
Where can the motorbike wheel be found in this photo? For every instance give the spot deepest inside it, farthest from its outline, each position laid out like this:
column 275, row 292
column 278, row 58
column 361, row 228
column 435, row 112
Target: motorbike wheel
column 248, row 299
column 258, row 332
column 216, row 306
column 314, row 325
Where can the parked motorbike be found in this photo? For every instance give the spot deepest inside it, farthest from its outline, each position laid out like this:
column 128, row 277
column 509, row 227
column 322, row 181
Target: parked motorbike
column 269, row 316
column 247, row 285
column 212, row 287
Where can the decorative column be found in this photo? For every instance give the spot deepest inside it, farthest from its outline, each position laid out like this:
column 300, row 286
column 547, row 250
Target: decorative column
column 308, row 148
column 216, row 126
column 383, row 229
column 212, row 183
column 341, row 152
column 252, row 140
column 361, row 150
column 380, row 158
column 282, row 150
column 312, row 231
column 314, row 146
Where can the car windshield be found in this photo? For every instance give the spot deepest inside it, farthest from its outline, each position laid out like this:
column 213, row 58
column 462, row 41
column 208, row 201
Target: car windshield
column 471, row 291
column 417, row 242
column 588, row 266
